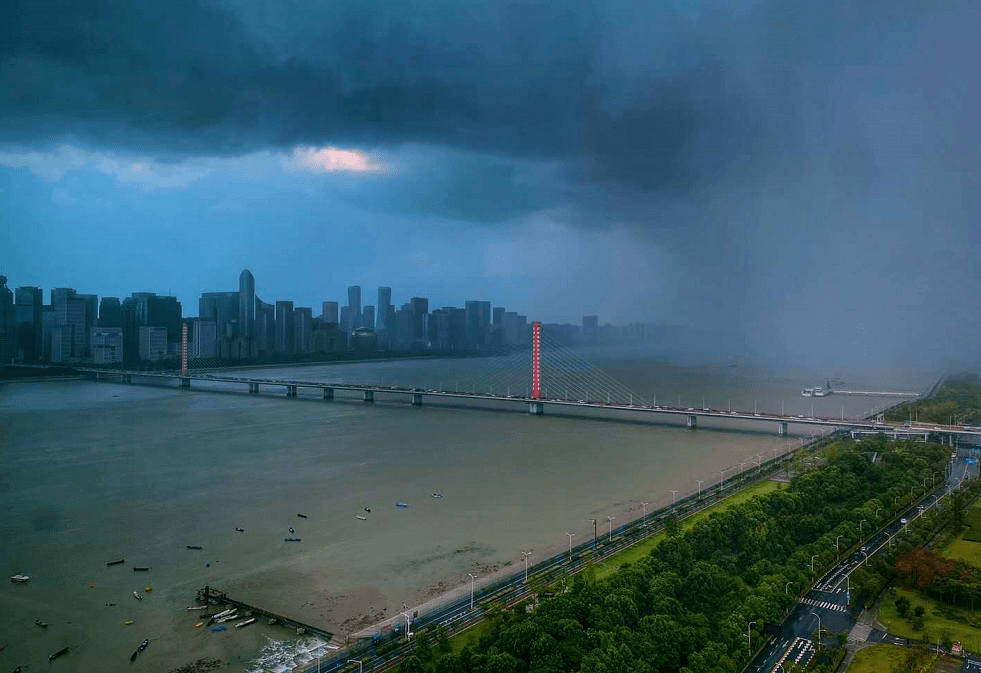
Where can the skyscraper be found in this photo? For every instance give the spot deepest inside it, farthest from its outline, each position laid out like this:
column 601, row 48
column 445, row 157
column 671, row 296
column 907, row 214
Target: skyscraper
column 110, row 312
column 28, row 309
column 246, row 304
column 329, row 311
column 368, row 317
column 419, row 307
column 285, row 327
column 354, row 302
column 302, row 329
column 384, row 304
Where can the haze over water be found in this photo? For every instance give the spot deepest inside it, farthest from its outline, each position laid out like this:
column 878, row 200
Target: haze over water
column 93, row 472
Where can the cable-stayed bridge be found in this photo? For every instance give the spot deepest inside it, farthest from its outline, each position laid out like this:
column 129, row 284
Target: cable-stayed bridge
column 546, row 375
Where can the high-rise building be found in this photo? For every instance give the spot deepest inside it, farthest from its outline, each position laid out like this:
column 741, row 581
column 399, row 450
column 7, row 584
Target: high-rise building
column 354, row 302
column 204, row 337
column 590, row 329
column 110, row 312
column 131, row 332
column 403, row 329
column 285, row 327
column 368, row 317
column 246, row 304
column 160, row 311
column 106, row 344
column 28, row 310
column 221, row 308
column 302, row 329
column 8, row 323
column 153, row 343
column 69, row 314
column 91, row 320
column 419, row 307
column 329, row 311
column 265, row 326
column 384, row 305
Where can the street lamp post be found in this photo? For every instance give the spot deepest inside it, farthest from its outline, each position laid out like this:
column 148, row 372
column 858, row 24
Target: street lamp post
column 350, row 661
column 877, row 513
column 786, row 587
column 674, row 498
column 819, row 625
column 837, row 548
column 526, row 555
column 699, row 487
column 722, row 479
column 594, row 532
column 644, row 505
column 611, row 519
column 812, row 562
column 571, row 535
column 408, row 623
column 861, row 537
column 472, row 578
column 749, row 635
column 866, row 561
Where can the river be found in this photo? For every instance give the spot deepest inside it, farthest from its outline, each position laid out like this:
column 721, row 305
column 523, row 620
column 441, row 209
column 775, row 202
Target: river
column 92, row 471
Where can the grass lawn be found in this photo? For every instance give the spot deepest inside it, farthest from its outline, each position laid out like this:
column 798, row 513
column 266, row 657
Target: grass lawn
column 933, row 623
column 964, row 550
column 468, row 637
column 878, row 659
column 642, row 549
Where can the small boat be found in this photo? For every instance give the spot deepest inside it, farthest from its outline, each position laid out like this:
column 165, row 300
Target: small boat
column 437, row 495
column 19, row 578
column 57, row 654
column 300, row 630
column 148, row 587
column 240, row 530
column 137, row 596
column 197, row 607
column 363, row 518
column 302, row 516
column 143, row 645
column 245, row 623
column 215, row 629
column 194, row 546
column 128, row 622
column 140, row 569
column 367, row 509
column 291, row 539
column 291, row 529
column 116, row 563
column 40, row 623
column 401, row 504
column 272, row 620
column 199, row 625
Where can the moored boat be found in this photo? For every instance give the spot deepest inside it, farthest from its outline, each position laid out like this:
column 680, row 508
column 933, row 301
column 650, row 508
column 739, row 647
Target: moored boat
column 57, row 654
column 240, row 530
column 148, row 587
column 437, row 495
column 116, row 562
column 363, row 518
column 197, row 607
column 140, row 569
column 19, row 577
column 245, row 623
column 219, row 628
column 40, row 623
column 137, row 596
column 302, row 516
column 401, row 504
column 194, row 546
column 291, row 539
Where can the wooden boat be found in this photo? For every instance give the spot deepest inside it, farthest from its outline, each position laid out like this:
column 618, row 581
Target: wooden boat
column 128, row 622
column 19, row 577
column 367, row 509
column 57, row 654
column 401, row 504
column 140, row 569
column 194, row 546
column 219, row 628
column 302, row 516
column 148, row 587
column 245, row 623
column 199, row 625
column 240, row 530
column 291, row 529
column 291, row 539
column 40, row 623
column 363, row 518
column 116, row 563
column 137, row 596
column 197, row 607
column 437, row 495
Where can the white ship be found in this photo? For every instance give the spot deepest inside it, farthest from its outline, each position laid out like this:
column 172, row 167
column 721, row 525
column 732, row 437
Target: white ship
column 818, row 392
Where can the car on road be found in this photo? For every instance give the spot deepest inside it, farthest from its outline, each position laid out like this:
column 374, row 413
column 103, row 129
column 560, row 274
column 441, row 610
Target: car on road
column 903, row 522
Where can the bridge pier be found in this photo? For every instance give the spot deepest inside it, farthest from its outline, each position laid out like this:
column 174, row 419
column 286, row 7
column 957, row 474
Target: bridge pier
column 127, row 378
column 185, row 382
column 692, row 421
column 369, row 396
column 328, row 393
column 416, row 399
column 782, row 429
column 290, row 391
column 536, row 408
column 254, row 388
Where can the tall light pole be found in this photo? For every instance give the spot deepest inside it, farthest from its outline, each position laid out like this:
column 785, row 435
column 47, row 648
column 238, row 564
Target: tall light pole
column 819, row 625
column 749, row 635
column 594, row 532
column 722, row 479
column 350, row 661
column 812, row 562
column 837, row 548
column 611, row 519
column 408, row 624
column 644, row 505
column 860, row 529
column 472, row 578
column 877, row 513
column 786, row 587
column 571, row 535
column 699, row 487
column 674, row 498
column 526, row 555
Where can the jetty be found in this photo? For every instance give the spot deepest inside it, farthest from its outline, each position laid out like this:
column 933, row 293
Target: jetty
column 213, row 596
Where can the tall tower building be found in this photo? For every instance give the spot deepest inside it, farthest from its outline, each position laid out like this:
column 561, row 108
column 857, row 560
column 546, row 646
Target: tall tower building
column 8, row 330
column 28, row 309
column 110, row 312
column 354, row 302
column 329, row 311
column 285, row 327
column 246, row 304
column 368, row 317
column 384, row 304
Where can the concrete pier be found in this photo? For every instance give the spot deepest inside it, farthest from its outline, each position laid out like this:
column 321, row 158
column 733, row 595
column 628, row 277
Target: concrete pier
column 328, row 393
column 692, row 421
column 185, row 383
column 369, row 396
column 782, row 429
column 254, row 388
column 416, row 399
column 536, row 408
column 290, row 391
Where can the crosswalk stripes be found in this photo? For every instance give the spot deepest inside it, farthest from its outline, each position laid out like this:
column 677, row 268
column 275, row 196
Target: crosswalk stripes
column 824, row 604
column 800, row 651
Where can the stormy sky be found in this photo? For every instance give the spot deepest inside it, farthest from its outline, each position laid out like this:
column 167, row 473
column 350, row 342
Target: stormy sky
column 802, row 178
